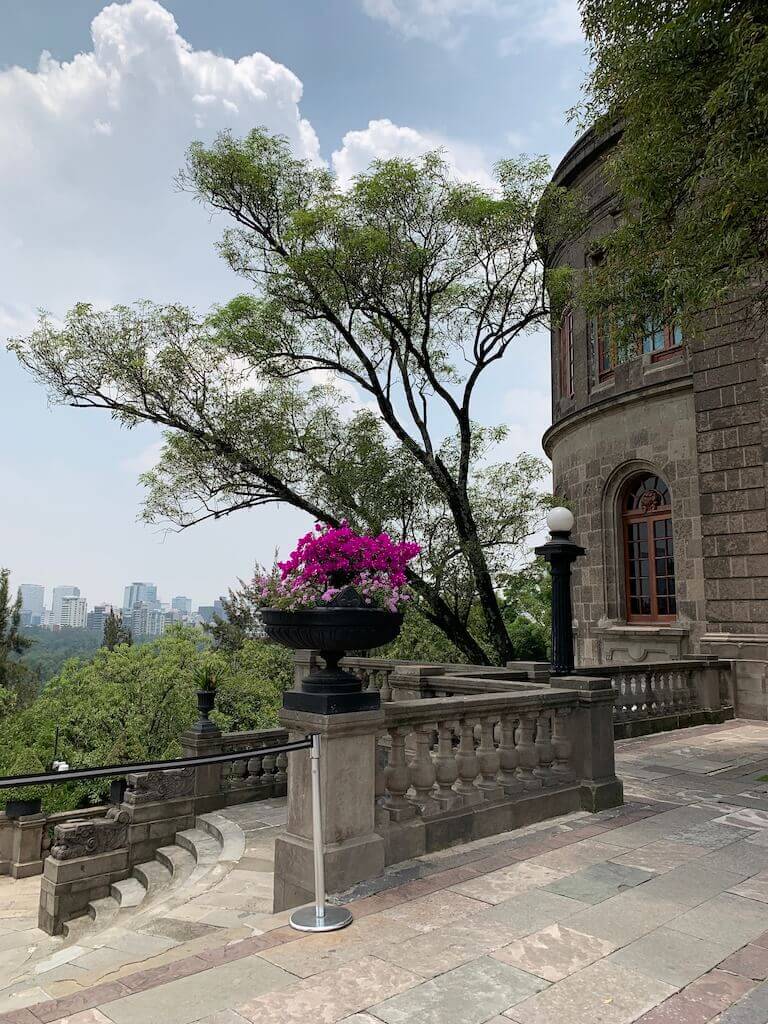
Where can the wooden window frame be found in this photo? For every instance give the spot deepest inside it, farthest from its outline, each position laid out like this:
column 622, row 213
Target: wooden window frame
column 565, row 354
column 670, row 347
column 629, row 518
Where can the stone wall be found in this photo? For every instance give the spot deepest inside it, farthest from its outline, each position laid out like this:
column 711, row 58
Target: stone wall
column 699, row 418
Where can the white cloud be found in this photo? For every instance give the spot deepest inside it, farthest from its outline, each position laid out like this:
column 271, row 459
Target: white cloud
column 89, row 149
column 555, row 22
column 143, row 460
column 430, row 19
column 382, row 140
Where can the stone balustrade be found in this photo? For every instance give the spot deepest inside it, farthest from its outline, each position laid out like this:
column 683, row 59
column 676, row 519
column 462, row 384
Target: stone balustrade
column 460, row 767
column 26, row 842
column 258, row 777
column 652, row 696
column 424, row 773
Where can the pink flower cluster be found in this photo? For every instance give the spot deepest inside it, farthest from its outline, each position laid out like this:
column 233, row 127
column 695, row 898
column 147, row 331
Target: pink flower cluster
column 331, row 558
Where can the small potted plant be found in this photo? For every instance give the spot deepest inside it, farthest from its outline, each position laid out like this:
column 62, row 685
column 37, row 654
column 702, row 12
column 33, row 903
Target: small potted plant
column 338, row 591
column 23, row 800
column 207, row 679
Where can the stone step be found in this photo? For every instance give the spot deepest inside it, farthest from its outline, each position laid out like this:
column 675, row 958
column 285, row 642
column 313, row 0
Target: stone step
column 129, row 893
column 229, row 835
column 153, row 875
column 180, row 862
column 200, row 844
column 103, row 911
column 77, row 927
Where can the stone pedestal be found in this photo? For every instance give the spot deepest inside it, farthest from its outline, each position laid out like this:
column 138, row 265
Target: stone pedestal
column 353, row 851
column 27, row 843
column 208, row 795
column 593, row 755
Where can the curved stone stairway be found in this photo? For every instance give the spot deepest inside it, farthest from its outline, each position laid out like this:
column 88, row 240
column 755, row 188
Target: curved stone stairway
column 199, row 858
column 211, row 887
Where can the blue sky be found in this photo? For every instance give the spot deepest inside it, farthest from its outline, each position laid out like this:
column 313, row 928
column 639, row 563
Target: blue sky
column 91, row 134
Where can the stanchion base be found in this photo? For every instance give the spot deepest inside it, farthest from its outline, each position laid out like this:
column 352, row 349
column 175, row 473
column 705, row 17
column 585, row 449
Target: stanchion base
column 306, row 920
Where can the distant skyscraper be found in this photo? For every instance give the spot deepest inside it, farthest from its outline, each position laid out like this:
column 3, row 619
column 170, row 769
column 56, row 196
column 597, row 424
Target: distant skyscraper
column 140, row 593
column 205, row 612
column 219, row 609
column 74, row 611
column 182, row 605
column 32, row 603
column 95, row 619
column 144, row 621
column 59, row 593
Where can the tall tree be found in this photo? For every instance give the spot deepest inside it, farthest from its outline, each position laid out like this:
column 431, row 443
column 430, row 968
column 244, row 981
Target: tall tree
column 406, row 291
column 115, row 632
column 15, row 679
column 685, row 84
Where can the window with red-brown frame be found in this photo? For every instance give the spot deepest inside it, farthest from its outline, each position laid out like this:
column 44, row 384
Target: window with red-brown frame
column 661, row 340
column 649, row 557
column 565, row 354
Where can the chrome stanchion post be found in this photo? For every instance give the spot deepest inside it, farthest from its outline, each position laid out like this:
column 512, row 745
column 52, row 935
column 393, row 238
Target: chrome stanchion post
column 319, row 918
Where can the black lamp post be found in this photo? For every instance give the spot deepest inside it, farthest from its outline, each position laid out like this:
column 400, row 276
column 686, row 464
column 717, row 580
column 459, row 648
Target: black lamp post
column 561, row 552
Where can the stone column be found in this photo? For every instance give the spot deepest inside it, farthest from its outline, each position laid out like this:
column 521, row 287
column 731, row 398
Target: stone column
column 208, row 794
column 6, row 843
column 27, row 846
column 304, row 663
column 593, row 756
column 353, row 850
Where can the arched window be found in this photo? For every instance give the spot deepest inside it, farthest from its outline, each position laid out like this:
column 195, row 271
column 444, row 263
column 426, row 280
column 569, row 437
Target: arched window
column 648, row 550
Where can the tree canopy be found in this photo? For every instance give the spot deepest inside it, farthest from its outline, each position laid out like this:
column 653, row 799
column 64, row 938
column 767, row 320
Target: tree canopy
column 685, row 82
column 134, row 702
column 346, row 382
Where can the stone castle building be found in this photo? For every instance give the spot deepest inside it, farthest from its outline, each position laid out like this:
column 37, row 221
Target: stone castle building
column 662, row 457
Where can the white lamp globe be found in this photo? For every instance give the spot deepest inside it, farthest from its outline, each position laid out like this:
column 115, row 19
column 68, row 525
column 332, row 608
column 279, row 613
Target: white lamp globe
column 560, row 520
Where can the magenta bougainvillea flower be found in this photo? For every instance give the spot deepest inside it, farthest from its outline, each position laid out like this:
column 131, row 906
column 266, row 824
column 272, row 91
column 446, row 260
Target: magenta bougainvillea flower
column 330, row 558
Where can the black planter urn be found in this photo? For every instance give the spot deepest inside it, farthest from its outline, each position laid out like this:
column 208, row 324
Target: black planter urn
column 206, row 701
column 332, row 630
column 21, row 808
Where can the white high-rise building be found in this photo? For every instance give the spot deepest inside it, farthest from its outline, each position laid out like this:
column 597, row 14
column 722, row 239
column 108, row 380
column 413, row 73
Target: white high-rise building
column 74, row 612
column 183, row 605
column 59, row 593
column 140, row 593
column 144, row 621
column 32, row 603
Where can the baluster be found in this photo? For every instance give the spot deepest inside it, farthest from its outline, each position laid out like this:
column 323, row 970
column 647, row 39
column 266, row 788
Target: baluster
column 268, row 765
column 386, row 690
column 239, row 771
column 488, row 762
column 562, row 769
column 508, row 757
column 544, row 751
column 254, row 770
column 527, row 758
column 396, row 778
column 281, row 775
column 683, row 699
column 646, row 696
column 694, row 700
column 446, row 770
column 657, row 688
column 423, row 773
column 619, row 684
column 466, row 761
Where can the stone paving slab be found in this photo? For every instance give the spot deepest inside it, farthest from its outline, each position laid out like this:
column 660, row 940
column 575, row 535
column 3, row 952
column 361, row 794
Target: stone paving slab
column 598, row 882
column 671, row 956
column 555, row 952
column 735, row 920
column 467, row 995
column 603, row 993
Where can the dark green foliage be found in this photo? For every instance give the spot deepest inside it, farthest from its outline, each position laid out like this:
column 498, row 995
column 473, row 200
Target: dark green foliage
column 52, row 648
column 26, row 763
column 16, row 681
column 133, row 703
column 687, row 81
column 115, row 633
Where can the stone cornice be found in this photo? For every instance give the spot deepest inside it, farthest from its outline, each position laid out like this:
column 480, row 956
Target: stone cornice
column 628, row 398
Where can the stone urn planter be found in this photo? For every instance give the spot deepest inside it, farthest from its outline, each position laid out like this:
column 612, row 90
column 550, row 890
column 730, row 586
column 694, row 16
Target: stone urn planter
column 332, row 630
column 21, row 808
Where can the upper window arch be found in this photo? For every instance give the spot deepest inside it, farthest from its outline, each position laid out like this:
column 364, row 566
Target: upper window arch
column 649, row 557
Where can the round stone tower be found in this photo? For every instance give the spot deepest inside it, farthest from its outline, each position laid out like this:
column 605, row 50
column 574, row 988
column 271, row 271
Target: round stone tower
column 661, row 454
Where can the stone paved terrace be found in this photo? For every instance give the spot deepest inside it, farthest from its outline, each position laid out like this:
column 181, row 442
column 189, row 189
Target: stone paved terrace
column 656, row 912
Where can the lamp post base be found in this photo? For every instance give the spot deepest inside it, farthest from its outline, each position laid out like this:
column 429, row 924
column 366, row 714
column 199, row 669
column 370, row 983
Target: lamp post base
column 305, row 919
